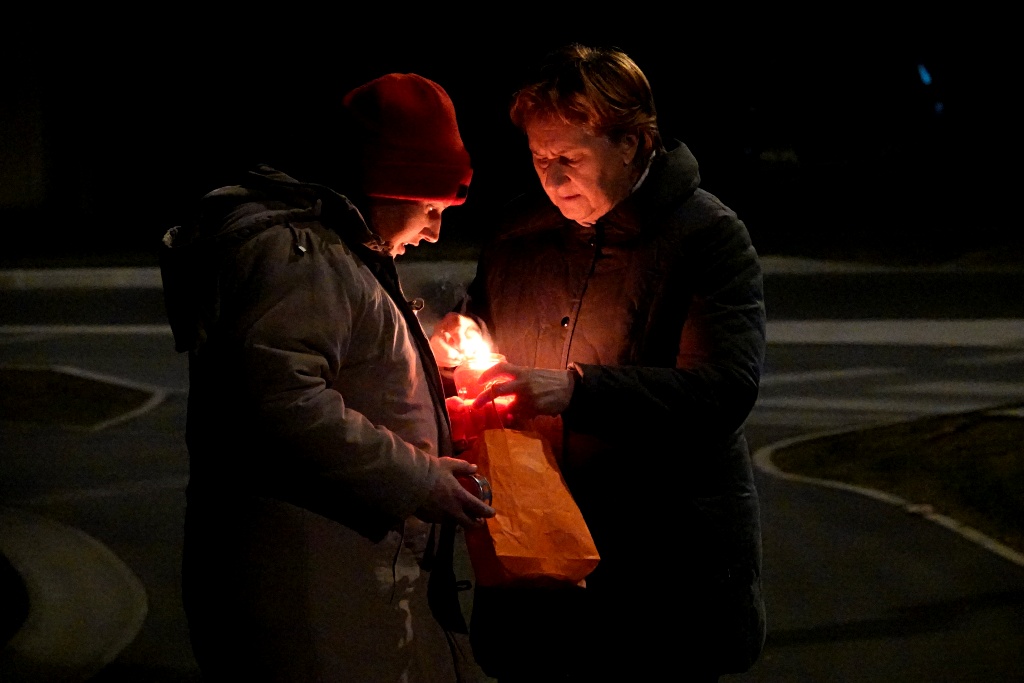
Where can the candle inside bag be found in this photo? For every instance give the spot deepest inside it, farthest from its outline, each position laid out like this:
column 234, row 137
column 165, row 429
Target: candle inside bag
column 467, row 374
column 469, row 422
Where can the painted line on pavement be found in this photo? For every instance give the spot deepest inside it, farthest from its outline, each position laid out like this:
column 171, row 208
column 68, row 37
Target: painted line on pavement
column 821, row 419
column 86, row 329
column 763, row 461
column 81, row 278
column 157, row 395
column 824, row 375
column 903, row 332
column 1011, row 390
column 148, row 277
column 87, row 605
column 998, row 358
column 1001, row 332
column 129, row 488
column 869, row 405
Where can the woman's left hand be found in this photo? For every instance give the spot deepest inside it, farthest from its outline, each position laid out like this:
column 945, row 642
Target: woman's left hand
column 537, row 391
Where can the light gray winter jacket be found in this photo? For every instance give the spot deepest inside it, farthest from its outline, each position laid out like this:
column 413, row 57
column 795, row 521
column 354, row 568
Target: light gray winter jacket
column 315, row 423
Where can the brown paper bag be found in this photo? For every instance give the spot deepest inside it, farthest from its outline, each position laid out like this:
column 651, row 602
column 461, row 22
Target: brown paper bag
column 538, row 536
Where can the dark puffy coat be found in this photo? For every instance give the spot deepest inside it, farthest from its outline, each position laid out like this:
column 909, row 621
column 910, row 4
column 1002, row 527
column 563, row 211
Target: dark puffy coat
column 660, row 306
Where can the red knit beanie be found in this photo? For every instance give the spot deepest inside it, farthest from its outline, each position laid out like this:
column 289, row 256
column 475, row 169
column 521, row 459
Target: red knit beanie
column 409, row 140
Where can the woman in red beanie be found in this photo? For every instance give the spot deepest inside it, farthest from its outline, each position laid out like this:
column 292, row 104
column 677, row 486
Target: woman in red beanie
column 323, row 496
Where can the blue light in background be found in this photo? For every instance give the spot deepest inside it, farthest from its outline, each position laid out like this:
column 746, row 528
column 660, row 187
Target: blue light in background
column 926, row 77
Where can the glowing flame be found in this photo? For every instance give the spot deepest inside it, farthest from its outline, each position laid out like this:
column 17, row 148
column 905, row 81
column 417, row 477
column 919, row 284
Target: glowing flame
column 475, row 349
column 476, row 356
column 481, row 361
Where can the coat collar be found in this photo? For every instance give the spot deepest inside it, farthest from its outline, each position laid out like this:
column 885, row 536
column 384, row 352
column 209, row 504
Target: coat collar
column 673, row 176
column 334, row 209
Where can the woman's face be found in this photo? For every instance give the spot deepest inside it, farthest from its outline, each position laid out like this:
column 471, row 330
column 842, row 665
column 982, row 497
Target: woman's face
column 405, row 223
column 583, row 174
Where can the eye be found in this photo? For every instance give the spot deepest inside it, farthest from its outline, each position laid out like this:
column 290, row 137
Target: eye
column 542, row 162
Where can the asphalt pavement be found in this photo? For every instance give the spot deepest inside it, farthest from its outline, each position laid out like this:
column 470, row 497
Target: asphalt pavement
column 87, row 604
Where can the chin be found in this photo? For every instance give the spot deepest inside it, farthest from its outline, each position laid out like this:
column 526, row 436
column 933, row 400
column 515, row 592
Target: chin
column 571, row 213
column 575, row 211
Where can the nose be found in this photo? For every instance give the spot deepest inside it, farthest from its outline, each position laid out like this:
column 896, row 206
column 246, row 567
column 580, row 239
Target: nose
column 432, row 231
column 432, row 234
column 554, row 176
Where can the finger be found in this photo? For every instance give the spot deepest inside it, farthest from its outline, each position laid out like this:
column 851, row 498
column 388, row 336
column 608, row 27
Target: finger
column 483, row 398
column 482, row 509
column 471, row 522
column 490, row 393
column 472, row 511
column 476, row 508
column 460, row 467
column 449, row 463
column 498, row 370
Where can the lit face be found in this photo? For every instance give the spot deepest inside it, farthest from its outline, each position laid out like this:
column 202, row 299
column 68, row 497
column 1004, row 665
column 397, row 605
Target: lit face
column 583, row 174
column 405, row 222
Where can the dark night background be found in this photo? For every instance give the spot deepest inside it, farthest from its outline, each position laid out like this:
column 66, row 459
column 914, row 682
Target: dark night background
column 824, row 133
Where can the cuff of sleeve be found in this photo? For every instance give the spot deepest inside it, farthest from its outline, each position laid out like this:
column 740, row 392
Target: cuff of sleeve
column 577, row 384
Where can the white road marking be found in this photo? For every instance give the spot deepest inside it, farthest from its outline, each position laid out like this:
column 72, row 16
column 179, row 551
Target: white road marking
column 86, row 329
column 906, row 332
column 822, row 419
column 992, row 389
column 81, row 278
column 100, row 377
column 997, row 358
column 763, row 461
column 87, row 604
column 1002, row 332
column 824, row 375
column 457, row 270
column 869, row 405
column 1008, row 412
column 157, row 395
column 128, row 488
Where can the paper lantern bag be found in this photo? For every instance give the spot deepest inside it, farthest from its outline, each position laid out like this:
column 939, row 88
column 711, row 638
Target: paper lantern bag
column 538, row 535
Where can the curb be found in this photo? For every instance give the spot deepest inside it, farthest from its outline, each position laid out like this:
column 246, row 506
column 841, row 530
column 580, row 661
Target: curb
column 74, row 582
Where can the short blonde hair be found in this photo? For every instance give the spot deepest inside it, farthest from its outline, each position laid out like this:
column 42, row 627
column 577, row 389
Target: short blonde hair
column 601, row 89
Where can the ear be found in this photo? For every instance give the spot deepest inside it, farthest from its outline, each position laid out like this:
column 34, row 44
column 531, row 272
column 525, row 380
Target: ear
column 628, row 146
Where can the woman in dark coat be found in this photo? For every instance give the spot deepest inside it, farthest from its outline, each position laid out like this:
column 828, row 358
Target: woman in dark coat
column 628, row 302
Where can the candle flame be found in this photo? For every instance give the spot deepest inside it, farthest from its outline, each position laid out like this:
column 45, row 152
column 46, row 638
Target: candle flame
column 474, row 347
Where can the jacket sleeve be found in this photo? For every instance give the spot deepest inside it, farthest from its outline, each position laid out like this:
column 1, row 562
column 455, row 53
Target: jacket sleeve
column 306, row 324
column 714, row 383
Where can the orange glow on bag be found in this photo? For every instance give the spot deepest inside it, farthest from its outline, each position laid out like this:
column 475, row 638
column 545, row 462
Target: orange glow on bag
column 538, row 536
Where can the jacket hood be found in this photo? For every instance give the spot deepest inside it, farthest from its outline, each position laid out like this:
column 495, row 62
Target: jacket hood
column 269, row 197
column 190, row 255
